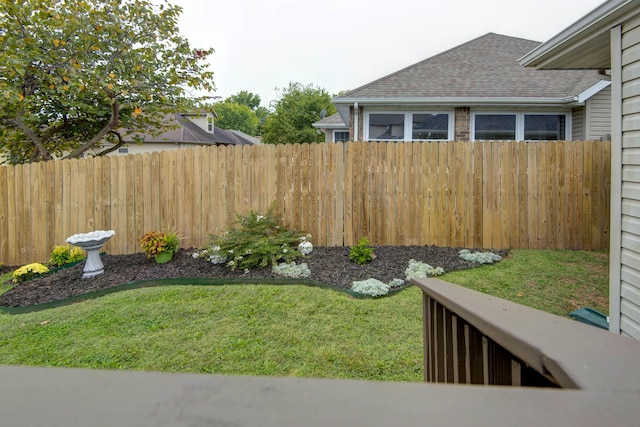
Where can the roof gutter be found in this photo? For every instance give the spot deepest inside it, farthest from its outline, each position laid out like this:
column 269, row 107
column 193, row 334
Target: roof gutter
column 458, row 101
column 593, row 90
column 595, row 23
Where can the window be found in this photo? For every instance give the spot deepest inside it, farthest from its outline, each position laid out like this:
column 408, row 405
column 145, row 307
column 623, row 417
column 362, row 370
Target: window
column 210, row 124
column 545, row 127
column 340, row 136
column 123, row 150
column 495, row 126
column 430, row 126
column 408, row 126
column 520, row 126
column 386, row 126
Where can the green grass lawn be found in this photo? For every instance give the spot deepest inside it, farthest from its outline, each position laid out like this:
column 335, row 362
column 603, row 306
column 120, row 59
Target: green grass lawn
column 287, row 330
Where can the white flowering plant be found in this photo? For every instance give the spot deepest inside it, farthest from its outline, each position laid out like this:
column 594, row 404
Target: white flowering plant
column 257, row 240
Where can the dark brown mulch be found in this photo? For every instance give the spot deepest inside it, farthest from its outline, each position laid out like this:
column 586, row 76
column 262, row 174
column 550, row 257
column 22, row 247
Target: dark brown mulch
column 329, row 265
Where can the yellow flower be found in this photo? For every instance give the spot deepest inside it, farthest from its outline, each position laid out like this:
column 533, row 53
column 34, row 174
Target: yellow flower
column 29, row 271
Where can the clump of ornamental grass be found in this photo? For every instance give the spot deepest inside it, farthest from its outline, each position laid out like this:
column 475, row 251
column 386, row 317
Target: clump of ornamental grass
column 256, row 240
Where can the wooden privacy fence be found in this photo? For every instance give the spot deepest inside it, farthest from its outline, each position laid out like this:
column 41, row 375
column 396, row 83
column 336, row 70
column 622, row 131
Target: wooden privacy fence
column 465, row 194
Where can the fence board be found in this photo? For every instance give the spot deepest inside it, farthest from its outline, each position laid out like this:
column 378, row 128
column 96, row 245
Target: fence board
column 550, row 193
column 473, row 194
column 561, row 194
column 339, row 190
column 4, row 220
column 477, row 219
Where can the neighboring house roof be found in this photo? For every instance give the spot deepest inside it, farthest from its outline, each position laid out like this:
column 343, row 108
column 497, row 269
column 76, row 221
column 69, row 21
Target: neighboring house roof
column 254, row 140
column 185, row 131
column 482, row 70
column 333, row 121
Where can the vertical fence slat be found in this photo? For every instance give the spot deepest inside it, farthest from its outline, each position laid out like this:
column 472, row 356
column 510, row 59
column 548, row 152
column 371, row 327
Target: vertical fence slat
column 4, row 218
column 561, row 194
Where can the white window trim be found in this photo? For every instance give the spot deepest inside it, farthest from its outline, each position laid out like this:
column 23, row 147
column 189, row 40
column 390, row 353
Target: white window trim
column 336, row 130
column 408, row 123
column 520, row 121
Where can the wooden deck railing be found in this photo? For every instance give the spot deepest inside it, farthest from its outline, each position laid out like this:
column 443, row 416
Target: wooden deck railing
column 474, row 338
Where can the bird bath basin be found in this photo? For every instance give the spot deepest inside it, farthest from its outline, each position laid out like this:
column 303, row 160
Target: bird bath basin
column 92, row 242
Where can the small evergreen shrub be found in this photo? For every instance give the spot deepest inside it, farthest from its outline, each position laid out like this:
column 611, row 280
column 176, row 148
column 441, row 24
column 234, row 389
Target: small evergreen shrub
column 291, row 269
column 361, row 253
column 257, row 240
column 29, row 271
column 479, row 257
column 65, row 254
column 372, row 287
column 418, row 270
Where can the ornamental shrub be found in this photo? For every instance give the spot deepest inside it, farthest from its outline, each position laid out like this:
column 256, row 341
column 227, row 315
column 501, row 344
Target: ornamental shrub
column 65, row 254
column 479, row 257
column 291, row 269
column 373, row 287
column 419, row 270
column 29, row 271
column 153, row 243
column 361, row 253
column 257, row 240
column 396, row 283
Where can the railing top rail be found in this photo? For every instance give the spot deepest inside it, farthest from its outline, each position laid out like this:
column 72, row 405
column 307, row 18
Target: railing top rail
column 80, row 397
column 574, row 354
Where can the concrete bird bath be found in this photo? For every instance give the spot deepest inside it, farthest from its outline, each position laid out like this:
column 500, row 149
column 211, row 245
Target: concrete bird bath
column 92, row 242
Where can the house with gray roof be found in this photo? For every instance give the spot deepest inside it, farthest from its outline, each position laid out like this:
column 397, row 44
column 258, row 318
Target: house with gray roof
column 475, row 91
column 186, row 130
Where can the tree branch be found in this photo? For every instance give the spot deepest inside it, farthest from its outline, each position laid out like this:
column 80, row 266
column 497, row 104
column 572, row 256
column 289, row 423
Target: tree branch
column 120, row 143
column 41, row 150
column 109, row 127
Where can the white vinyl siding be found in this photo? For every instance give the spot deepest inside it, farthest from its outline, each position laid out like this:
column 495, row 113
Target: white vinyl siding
column 599, row 115
column 629, row 272
column 577, row 124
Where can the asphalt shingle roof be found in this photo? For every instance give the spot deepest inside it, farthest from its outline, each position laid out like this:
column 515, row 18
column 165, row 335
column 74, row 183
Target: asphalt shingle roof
column 484, row 67
column 189, row 132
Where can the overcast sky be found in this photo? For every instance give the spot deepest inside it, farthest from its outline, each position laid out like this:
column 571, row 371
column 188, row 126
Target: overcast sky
column 342, row 44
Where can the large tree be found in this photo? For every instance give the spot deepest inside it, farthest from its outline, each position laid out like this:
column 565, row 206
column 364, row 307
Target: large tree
column 297, row 108
column 241, row 111
column 237, row 117
column 74, row 72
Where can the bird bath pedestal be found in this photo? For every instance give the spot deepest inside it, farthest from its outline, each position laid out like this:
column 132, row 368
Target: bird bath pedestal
column 92, row 242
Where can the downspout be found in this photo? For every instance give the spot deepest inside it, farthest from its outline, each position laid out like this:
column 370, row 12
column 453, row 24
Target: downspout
column 356, row 125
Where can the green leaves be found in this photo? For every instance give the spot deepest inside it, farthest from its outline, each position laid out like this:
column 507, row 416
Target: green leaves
column 295, row 111
column 74, row 71
column 237, row 117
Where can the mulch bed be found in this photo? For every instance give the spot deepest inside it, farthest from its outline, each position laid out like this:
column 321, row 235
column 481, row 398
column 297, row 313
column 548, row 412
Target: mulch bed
column 329, row 266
